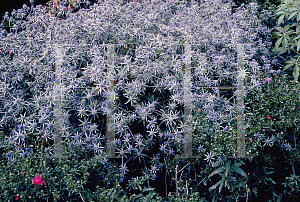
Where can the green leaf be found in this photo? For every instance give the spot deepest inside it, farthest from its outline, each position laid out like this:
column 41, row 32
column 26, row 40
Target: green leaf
column 279, row 28
column 270, row 172
column 270, row 179
column 218, row 170
column 227, row 168
column 240, row 171
column 298, row 46
column 280, row 19
column 286, row 28
column 298, row 17
column 280, row 12
column 278, row 42
column 294, row 24
column 216, row 185
column 296, row 72
column 293, row 9
column 282, row 50
column 148, row 189
column 276, row 34
column 221, row 186
column 292, row 15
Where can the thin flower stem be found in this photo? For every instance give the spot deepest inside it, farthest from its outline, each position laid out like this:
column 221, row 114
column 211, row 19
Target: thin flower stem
column 81, row 197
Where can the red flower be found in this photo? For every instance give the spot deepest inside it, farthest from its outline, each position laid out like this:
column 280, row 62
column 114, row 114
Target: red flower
column 69, row 7
column 294, row 108
column 17, row 198
column 37, row 180
column 269, row 117
column 277, row 76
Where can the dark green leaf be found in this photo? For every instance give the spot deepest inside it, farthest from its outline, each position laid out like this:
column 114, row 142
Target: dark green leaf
column 216, row 185
column 218, row 170
column 240, row 171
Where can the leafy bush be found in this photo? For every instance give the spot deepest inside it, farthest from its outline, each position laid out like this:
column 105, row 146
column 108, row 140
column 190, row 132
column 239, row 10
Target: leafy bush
column 287, row 35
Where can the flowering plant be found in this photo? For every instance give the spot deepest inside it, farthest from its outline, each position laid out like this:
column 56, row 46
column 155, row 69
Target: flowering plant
column 37, row 180
column 146, row 104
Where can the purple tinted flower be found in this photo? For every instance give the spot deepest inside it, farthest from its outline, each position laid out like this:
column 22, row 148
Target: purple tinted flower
column 71, row 144
column 8, row 154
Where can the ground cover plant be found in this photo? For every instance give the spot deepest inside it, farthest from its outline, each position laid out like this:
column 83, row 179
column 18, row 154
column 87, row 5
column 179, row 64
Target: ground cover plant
column 149, row 69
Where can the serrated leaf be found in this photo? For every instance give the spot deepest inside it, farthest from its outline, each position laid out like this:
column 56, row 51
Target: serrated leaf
column 280, row 20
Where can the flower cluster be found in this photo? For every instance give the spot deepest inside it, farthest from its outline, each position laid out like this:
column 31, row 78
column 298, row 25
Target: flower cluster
column 57, row 74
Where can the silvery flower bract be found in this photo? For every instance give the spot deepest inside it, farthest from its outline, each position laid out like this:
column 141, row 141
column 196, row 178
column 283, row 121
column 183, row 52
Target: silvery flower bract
column 148, row 73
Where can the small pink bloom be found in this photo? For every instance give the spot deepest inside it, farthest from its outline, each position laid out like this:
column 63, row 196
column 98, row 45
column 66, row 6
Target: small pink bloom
column 281, row 133
column 23, row 172
column 43, row 136
column 9, row 166
column 264, row 130
column 251, row 139
column 260, row 73
column 37, row 180
column 277, row 76
column 269, row 117
column 69, row 7
column 17, row 198
column 294, row 108
column 56, row 5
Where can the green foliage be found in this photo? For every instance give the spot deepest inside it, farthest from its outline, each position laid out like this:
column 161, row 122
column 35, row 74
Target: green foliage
column 228, row 178
column 287, row 34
